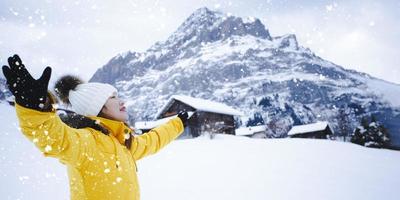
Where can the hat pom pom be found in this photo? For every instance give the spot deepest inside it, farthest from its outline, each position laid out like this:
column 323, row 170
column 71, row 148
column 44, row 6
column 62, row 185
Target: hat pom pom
column 64, row 85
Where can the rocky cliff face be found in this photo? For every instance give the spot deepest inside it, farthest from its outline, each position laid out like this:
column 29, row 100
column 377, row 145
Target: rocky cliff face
column 273, row 80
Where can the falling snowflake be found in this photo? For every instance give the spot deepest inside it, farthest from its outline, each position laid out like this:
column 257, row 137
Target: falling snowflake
column 47, row 148
column 14, row 12
column 22, row 178
column 371, row 23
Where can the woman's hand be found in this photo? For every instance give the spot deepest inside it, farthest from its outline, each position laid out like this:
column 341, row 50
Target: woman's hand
column 28, row 92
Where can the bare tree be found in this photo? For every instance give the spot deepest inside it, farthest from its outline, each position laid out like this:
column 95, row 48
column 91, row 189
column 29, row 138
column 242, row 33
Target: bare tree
column 344, row 123
column 277, row 128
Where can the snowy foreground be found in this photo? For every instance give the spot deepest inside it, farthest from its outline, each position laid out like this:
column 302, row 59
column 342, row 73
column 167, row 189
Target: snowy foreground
column 227, row 167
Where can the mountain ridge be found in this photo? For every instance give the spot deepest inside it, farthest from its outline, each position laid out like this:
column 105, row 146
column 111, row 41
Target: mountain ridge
column 214, row 56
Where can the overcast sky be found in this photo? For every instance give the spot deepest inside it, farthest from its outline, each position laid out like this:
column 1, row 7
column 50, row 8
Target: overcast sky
column 81, row 36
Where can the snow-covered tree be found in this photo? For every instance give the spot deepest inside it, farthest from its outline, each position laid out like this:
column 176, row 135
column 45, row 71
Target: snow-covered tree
column 371, row 134
column 256, row 120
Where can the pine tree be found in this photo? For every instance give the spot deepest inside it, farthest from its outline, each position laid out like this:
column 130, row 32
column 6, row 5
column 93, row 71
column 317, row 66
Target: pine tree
column 256, row 120
column 385, row 137
column 358, row 137
column 371, row 134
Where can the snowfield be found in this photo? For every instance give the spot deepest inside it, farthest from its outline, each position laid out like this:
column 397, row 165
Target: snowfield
column 227, row 167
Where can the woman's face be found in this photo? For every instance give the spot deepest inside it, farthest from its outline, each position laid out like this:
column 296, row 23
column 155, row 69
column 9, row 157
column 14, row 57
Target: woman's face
column 114, row 109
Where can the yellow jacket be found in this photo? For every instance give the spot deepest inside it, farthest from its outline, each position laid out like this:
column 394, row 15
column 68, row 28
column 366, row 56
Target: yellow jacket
column 99, row 166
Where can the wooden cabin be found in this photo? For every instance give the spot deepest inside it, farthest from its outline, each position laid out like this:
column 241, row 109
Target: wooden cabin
column 208, row 116
column 319, row 130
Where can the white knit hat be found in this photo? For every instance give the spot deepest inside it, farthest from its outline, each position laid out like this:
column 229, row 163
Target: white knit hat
column 89, row 98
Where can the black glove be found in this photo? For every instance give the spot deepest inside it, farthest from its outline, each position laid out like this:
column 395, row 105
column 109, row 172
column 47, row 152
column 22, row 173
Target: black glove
column 183, row 115
column 28, row 92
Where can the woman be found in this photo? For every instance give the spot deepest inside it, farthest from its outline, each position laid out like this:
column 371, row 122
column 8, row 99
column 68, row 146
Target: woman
column 100, row 151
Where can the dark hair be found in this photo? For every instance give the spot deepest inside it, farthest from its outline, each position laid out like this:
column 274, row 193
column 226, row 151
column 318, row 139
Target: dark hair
column 78, row 121
column 128, row 142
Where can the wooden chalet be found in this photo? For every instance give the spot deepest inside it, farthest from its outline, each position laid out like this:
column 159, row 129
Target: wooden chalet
column 319, row 130
column 208, row 116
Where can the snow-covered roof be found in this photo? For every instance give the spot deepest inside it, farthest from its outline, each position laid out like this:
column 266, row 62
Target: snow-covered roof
column 318, row 126
column 250, row 130
column 200, row 105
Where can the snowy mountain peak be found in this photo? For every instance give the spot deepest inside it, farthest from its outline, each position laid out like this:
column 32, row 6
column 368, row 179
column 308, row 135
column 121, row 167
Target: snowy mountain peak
column 203, row 14
column 274, row 81
column 205, row 26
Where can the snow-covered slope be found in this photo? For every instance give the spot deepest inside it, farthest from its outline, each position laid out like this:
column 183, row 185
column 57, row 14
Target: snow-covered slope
column 24, row 172
column 227, row 167
column 241, row 168
column 225, row 59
